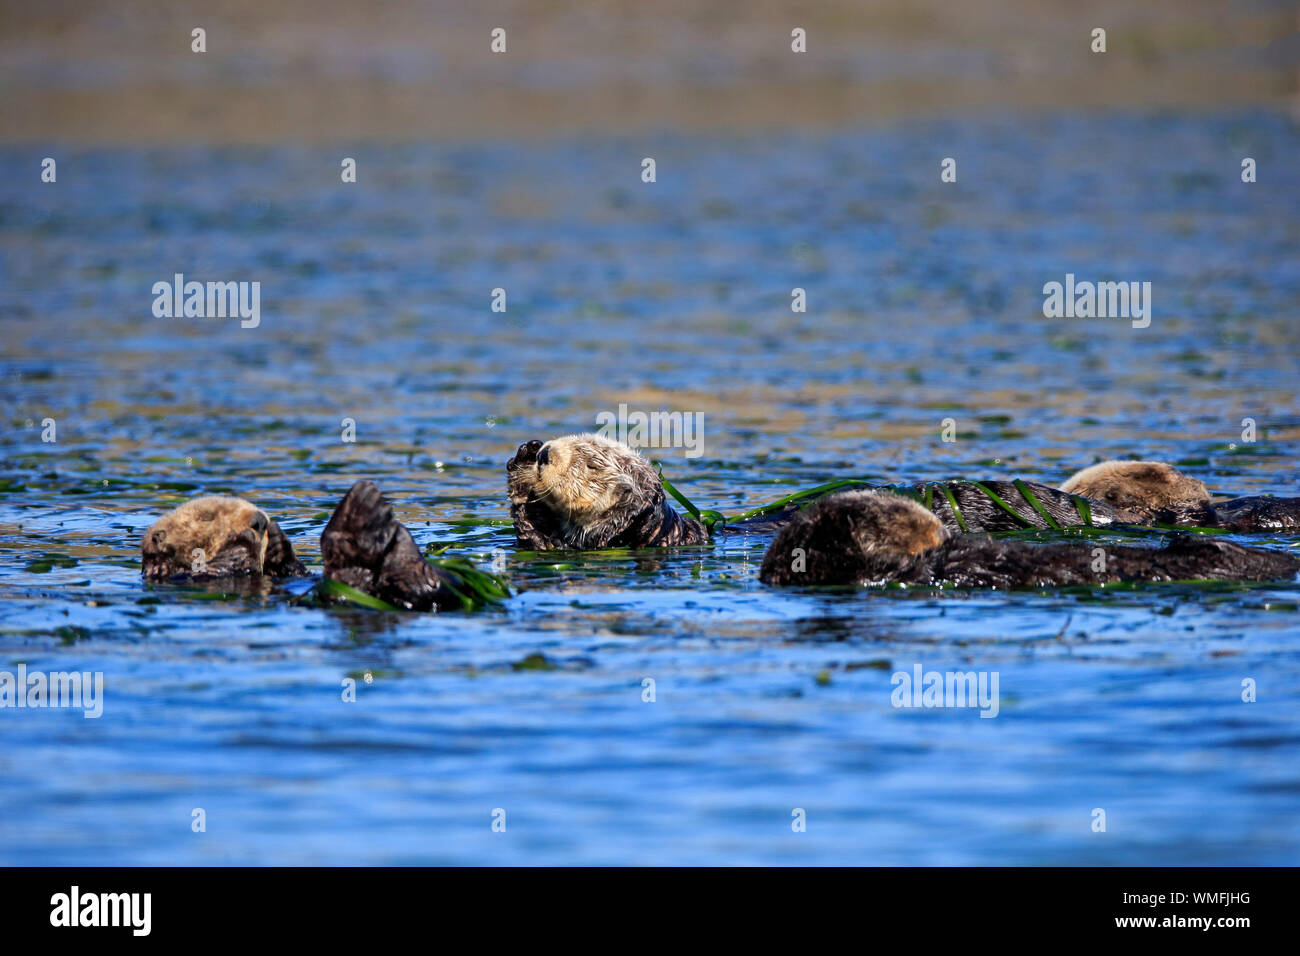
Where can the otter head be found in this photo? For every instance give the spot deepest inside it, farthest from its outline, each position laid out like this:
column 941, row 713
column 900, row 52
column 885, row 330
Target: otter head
column 591, row 487
column 1149, row 491
column 888, row 530
column 854, row 537
column 215, row 535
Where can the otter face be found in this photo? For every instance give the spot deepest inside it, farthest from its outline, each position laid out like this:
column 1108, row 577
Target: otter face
column 1148, row 490
column 579, row 491
column 588, row 480
column 212, row 536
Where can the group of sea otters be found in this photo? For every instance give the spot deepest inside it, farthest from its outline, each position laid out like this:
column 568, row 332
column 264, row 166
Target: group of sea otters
column 584, row 492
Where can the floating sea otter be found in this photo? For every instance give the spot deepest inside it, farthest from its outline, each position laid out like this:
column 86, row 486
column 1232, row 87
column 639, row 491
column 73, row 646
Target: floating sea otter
column 1113, row 492
column 876, row 537
column 1159, row 493
column 588, row 491
column 364, row 546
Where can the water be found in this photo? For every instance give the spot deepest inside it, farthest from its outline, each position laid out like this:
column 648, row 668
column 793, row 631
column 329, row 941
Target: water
column 924, row 303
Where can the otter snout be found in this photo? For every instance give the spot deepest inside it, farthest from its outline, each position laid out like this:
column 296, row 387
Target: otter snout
column 544, row 456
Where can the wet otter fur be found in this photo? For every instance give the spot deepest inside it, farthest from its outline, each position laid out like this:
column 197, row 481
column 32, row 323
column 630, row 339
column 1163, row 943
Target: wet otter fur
column 1259, row 513
column 586, row 491
column 979, row 512
column 976, row 510
column 365, row 547
column 1160, row 493
column 216, row 536
column 873, row 537
column 1153, row 491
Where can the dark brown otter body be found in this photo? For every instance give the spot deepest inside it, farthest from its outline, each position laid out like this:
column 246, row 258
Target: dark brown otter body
column 976, row 562
column 972, row 506
column 1259, row 513
column 364, row 546
column 869, row 537
column 586, row 491
column 1017, row 505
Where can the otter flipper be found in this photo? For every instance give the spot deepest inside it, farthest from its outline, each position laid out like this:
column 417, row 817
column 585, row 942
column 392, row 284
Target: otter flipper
column 365, row 547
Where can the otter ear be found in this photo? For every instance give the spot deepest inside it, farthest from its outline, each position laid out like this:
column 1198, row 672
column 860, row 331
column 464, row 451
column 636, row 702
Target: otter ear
column 280, row 559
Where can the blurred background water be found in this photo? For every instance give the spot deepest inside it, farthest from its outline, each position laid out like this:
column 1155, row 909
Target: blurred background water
column 924, row 303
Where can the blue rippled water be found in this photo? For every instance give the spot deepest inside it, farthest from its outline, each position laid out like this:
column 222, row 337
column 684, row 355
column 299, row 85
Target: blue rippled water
column 924, row 303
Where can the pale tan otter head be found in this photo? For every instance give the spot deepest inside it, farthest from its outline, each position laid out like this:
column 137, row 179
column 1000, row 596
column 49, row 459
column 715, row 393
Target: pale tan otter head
column 1148, row 490
column 853, row 537
column 589, row 481
column 214, row 535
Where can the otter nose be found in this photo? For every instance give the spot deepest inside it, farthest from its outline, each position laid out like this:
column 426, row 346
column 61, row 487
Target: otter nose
column 544, row 456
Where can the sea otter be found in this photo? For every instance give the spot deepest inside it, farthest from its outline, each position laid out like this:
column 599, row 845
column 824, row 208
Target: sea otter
column 364, row 546
column 216, row 536
column 1160, row 493
column 874, row 537
column 588, row 491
